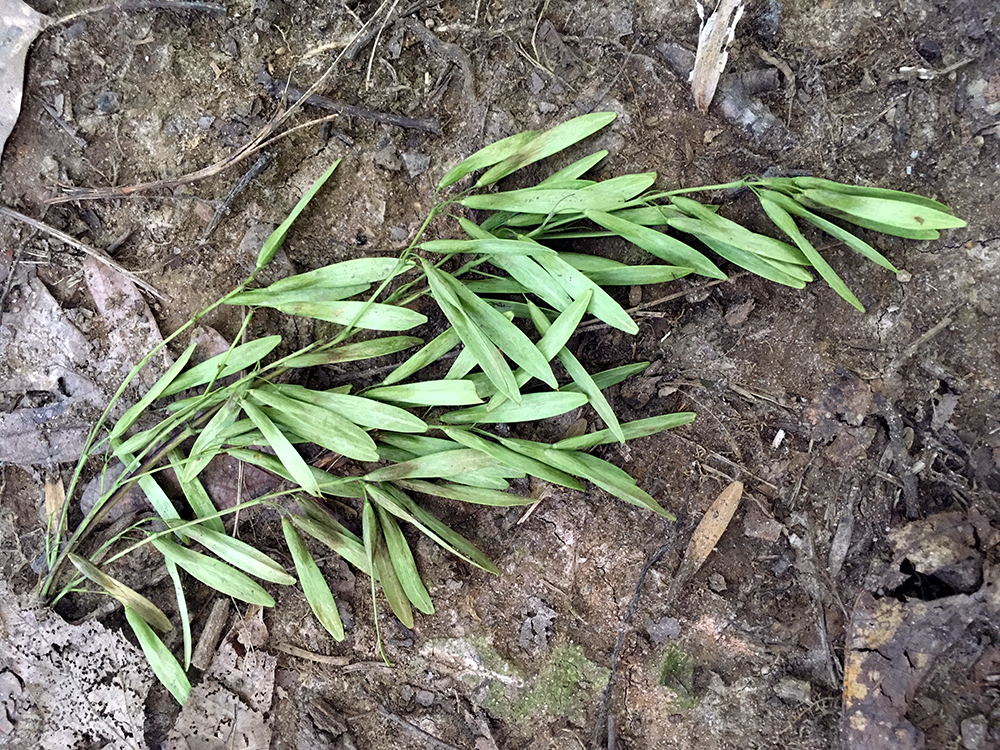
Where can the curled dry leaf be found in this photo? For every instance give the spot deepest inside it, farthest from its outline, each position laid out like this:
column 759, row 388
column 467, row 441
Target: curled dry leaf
column 709, row 531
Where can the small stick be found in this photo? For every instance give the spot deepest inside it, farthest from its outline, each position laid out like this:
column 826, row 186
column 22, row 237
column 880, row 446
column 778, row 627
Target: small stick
column 280, row 89
column 96, row 254
column 249, row 176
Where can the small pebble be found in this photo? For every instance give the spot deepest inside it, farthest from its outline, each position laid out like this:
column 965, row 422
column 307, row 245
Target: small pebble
column 717, row 583
column 666, row 628
column 974, row 732
column 107, row 103
column 425, row 698
column 791, row 690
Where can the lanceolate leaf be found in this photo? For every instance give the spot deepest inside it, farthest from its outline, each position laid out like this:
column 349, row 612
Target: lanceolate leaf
column 432, row 352
column 533, row 406
column 372, row 316
column 337, row 538
column 129, row 417
column 215, row 573
column 239, row 554
column 400, row 505
column 476, row 495
column 542, row 145
column 435, row 465
column 354, row 352
column 314, row 585
column 378, row 556
column 277, row 238
column 358, row 409
column 124, row 594
column 608, row 378
column 223, row 365
column 356, row 272
column 484, row 350
column 575, row 170
column 296, row 466
column 403, row 562
column 201, row 504
column 487, row 157
column 630, row 431
column 327, row 483
column 513, row 459
column 208, row 445
column 428, row 393
column 161, row 661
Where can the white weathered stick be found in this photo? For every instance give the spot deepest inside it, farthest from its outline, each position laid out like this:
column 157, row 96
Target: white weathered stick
column 717, row 33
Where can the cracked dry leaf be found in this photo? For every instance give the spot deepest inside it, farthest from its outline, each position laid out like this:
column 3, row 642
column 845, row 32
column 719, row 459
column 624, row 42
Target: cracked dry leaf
column 19, row 25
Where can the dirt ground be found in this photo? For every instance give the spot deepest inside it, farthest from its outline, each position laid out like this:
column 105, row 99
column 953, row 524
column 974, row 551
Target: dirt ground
column 851, row 601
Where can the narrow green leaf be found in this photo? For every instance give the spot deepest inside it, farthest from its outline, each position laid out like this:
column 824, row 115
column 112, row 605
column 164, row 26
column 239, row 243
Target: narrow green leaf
column 433, row 466
column 239, row 554
column 297, row 468
column 132, row 414
column 358, row 273
column 513, row 459
column 273, row 243
column 316, row 421
column 582, row 378
column 353, row 352
column 807, row 183
column 372, row 316
column 359, row 409
column 432, row 352
column 475, row 495
column 337, row 538
column 607, row 378
column 504, row 334
column 605, row 475
column 835, row 231
column 378, row 556
column 225, row 364
column 533, row 406
column 487, row 157
column 894, row 213
column 310, row 295
column 400, row 505
column 575, row 283
column 484, row 350
column 784, row 221
column 195, row 493
column 166, row 668
column 418, row 445
column 208, row 444
column 638, row 275
column 657, row 243
column 708, row 224
column 602, row 196
column 630, row 431
column 403, row 562
column 327, row 483
column 492, row 246
column 496, row 285
column 575, row 170
column 150, row 487
column 182, row 610
column 788, row 274
column 542, row 145
column 314, row 585
column 428, row 393
column 214, row 573
column 124, row 594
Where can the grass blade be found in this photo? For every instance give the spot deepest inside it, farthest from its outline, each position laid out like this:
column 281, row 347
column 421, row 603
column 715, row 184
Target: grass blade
column 533, row 406
column 225, row 364
column 378, row 556
column 484, row 350
column 781, row 273
column 132, row 414
column 161, row 661
column 214, row 573
column 403, row 562
column 201, row 504
column 434, row 466
column 208, row 443
column 542, row 145
column 296, row 466
column 902, row 215
column 513, row 459
column 808, row 183
column 337, row 538
column 273, row 243
column 432, row 352
column 400, row 505
column 353, row 352
column 124, row 594
column 630, row 430
column 487, row 157
column 475, row 495
column 358, row 409
column 428, row 393
column 182, row 610
column 372, row 316
column 239, row 554
column 327, row 483
column 784, row 221
column 314, row 585
column 577, row 169
column 607, row 378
